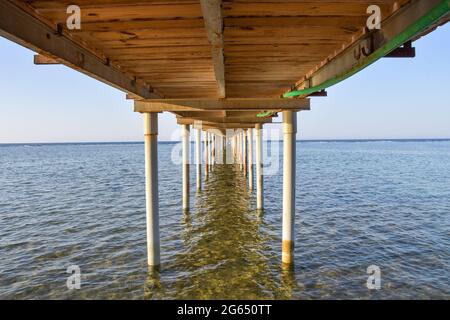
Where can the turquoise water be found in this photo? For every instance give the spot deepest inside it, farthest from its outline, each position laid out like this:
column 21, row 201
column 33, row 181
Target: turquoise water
column 383, row 203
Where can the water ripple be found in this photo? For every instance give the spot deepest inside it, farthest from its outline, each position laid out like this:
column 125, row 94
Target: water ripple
column 358, row 204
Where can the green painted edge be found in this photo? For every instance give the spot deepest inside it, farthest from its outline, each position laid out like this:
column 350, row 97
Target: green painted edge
column 420, row 25
column 264, row 114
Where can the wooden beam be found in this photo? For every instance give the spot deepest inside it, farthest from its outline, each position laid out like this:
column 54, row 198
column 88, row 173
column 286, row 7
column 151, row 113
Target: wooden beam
column 207, row 120
column 218, row 114
column 131, row 96
column 212, row 15
column 228, row 126
column 40, row 59
column 215, row 130
column 221, row 124
column 243, row 104
column 20, row 26
column 354, row 54
column 194, row 114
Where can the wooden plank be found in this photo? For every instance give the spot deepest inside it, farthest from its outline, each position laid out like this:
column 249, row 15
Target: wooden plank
column 301, row 8
column 40, row 59
column 136, row 11
column 23, row 28
column 173, row 105
column 345, row 22
column 212, row 14
column 143, row 24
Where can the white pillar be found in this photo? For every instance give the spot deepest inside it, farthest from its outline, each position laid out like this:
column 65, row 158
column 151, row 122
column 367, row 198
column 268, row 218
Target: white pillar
column 209, row 150
column 238, row 161
column 224, row 150
column 198, row 157
column 213, row 149
column 206, row 154
column 241, row 149
column 235, row 147
column 186, row 160
column 250, row 158
column 245, row 152
column 290, row 132
column 151, row 187
column 232, row 145
column 259, row 167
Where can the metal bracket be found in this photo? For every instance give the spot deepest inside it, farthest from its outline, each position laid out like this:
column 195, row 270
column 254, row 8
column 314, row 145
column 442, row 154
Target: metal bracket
column 406, row 51
column 322, row 93
column 59, row 30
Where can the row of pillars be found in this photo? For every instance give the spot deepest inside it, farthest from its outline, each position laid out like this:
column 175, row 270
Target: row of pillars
column 218, row 149
column 241, row 145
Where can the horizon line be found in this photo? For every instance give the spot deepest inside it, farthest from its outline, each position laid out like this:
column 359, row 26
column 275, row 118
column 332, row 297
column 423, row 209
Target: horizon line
column 192, row 141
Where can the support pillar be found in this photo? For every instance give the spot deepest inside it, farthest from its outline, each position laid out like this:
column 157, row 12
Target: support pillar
column 245, row 152
column 186, row 157
column 209, row 150
column 238, row 148
column 206, row 154
column 151, row 187
column 289, row 150
column 224, row 150
column 259, row 167
column 198, row 157
column 241, row 149
column 235, row 147
column 250, row 158
column 213, row 149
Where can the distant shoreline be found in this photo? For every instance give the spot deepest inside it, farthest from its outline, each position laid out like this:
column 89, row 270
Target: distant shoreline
column 174, row 142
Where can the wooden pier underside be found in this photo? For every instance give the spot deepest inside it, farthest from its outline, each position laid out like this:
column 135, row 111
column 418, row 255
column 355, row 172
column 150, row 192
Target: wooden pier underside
column 220, row 65
column 222, row 62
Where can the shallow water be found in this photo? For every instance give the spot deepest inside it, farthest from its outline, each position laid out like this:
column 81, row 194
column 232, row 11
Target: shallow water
column 358, row 204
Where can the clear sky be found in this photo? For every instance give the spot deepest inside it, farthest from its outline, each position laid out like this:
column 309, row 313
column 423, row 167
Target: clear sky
column 395, row 98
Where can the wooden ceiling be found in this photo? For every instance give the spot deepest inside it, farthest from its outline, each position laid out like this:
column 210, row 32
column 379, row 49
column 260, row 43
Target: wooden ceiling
column 267, row 46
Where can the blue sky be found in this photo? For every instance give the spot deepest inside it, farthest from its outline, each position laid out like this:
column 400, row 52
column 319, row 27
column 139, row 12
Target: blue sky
column 395, row 98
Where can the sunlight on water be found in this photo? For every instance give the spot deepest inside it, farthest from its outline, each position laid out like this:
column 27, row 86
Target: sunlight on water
column 358, row 204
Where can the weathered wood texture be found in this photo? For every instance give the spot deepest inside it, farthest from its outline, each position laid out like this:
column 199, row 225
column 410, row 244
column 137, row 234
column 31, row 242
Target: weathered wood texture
column 235, row 104
column 267, row 46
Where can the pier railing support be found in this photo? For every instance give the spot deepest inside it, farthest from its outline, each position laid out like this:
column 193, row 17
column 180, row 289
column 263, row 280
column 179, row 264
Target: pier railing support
column 259, row 168
column 151, row 187
column 289, row 150
column 198, row 157
column 186, row 157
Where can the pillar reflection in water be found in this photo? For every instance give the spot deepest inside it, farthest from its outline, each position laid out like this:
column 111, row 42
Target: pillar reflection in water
column 227, row 252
